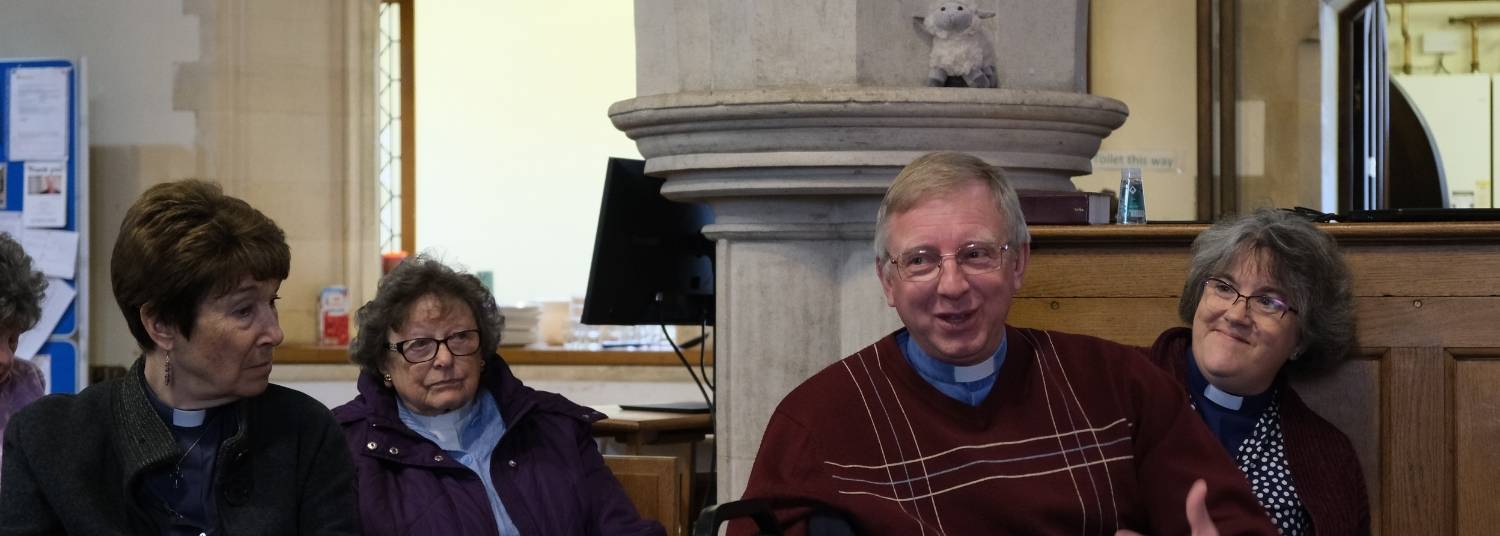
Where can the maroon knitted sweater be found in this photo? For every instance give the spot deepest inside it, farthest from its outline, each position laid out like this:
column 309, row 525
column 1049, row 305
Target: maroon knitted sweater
column 1078, row 436
column 1325, row 469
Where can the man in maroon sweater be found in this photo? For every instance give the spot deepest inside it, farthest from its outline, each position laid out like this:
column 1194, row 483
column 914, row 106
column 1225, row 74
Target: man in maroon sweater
column 960, row 424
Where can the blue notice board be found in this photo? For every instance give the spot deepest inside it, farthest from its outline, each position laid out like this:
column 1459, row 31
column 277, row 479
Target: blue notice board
column 23, row 141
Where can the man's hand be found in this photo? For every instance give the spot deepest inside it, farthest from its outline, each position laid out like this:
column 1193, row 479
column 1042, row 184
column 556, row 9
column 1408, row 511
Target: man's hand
column 1197, row 513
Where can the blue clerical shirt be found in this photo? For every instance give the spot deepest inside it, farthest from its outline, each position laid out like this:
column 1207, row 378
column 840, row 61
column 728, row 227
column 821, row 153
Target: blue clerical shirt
column 1230, row 417
column 469, row 434
column 967, row 384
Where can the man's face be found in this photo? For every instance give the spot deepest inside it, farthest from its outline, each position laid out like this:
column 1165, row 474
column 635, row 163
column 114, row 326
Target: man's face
column 957, row 318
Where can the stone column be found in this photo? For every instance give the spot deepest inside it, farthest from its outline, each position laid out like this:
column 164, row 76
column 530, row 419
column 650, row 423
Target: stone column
column 790, row 119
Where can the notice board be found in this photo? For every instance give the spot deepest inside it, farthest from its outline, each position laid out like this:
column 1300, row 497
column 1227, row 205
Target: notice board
column 43, row 205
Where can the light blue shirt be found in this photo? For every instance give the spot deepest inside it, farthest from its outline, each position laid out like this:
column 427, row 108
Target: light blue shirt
column 967, row 384
column 468, row 434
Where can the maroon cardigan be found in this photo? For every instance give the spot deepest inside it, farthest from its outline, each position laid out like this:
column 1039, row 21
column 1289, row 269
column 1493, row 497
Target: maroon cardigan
column 1325, row 468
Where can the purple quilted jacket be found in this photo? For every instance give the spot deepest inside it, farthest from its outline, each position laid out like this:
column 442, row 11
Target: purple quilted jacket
column 547, row 468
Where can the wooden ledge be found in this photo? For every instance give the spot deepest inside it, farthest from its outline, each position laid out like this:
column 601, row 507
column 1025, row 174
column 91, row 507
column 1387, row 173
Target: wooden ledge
column 311, row 354
column 1181, row 234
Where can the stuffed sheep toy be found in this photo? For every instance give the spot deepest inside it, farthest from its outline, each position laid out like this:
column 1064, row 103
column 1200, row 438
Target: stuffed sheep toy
column 959, row 47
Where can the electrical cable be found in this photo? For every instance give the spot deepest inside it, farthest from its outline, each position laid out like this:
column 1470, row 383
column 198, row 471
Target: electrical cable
column 689, row 368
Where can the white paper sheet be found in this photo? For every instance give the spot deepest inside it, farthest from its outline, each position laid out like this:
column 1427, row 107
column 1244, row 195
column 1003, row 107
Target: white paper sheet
column 10, row 223
column 46, row 203
column 43, row 362
column 38, row 113
column 54, row 303
column 52, row 252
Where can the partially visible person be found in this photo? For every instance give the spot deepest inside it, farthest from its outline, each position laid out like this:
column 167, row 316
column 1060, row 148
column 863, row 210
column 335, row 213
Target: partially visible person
column 1268, row 296
column 447, row 441
column 961, row 424
column 21, row 289
column 193, row 440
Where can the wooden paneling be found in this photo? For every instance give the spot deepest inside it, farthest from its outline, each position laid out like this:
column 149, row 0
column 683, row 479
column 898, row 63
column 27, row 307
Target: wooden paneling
column 1428, row 322
column 1106, row 273
column 1418, row 469
column 1420, row 401
column 1349, row 397
column 1134, row 321
column 657, row 485
column 1425, row 271
column 1476, row 464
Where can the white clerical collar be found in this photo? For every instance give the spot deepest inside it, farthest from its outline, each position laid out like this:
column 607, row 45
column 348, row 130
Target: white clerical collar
column 188, row 418
column 444, row 427
column 1226, row 400
column 974, row 372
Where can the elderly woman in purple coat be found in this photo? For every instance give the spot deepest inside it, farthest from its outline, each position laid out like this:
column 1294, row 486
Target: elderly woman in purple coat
column 447, row 441
column 21, row 290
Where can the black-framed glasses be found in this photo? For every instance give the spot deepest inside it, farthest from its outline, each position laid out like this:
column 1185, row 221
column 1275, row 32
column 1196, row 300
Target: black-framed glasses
column 1268, row 306
column 974, row 258
column 423, row 349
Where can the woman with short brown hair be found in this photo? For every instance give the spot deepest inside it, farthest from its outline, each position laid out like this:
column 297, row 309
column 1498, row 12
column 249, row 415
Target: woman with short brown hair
column 194, row 440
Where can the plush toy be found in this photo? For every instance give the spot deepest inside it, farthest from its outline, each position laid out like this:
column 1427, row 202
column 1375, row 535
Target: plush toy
column 960, row 48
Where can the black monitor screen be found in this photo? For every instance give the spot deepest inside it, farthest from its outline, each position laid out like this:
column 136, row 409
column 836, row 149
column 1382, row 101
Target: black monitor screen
column 652, row 264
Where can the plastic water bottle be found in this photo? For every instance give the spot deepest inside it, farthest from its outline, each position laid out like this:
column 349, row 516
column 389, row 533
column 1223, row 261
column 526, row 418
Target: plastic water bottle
column 1132, row 197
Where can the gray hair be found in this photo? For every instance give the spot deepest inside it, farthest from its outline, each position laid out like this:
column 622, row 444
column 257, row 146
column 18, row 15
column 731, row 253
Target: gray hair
column 941, row 172
column 21, row 288
column 408, row 282
column 1304, row 261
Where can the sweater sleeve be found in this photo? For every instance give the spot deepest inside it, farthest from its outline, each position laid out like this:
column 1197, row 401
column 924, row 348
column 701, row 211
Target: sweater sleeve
column 786, row 466
column 23, row 506
column 1172, row 449
column 611, row 512
column 328, row 502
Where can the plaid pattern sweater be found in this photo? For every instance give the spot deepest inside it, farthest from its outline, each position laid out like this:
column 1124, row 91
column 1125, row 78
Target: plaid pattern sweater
column 1079, row 436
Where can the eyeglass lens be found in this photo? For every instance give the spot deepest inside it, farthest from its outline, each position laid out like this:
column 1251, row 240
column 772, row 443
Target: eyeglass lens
column 1265, row 305
column 424, row 348
column 972, row 259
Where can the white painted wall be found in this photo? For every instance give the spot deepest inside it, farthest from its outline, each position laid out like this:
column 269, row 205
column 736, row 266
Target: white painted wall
column 132, row 49
column 512, row 135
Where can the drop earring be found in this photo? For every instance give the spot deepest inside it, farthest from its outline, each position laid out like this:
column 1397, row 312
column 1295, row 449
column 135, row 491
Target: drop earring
column 168, row 370
column 387, row 379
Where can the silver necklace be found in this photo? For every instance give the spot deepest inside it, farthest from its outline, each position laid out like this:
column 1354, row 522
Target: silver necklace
column 177, row 467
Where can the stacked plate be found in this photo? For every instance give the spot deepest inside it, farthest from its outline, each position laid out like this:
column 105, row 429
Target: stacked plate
column 520, row 324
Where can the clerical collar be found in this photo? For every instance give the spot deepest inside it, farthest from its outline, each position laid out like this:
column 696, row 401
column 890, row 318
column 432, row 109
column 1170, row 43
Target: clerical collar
column 445, row 429
column 178, row 418
column 1199, row 385
column 188, row 418
column 1222, row 398
column 969, row 384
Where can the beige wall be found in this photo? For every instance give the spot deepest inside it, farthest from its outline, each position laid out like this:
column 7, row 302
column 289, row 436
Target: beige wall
column 1150, row 63
column 268, row 97
column 512, row 135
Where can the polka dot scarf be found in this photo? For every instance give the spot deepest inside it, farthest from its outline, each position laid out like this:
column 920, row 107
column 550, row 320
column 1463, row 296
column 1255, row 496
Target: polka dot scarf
column 1262, row 457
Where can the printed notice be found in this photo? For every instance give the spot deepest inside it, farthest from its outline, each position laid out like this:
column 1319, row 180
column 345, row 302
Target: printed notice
column 38, row 114
column 46, row 203
column 55, row 301
column 10, row 223
column 54, row 252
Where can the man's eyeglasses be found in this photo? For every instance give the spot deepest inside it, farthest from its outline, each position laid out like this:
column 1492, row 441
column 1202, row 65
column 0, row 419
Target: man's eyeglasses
column 923, row 264
column 1268, row 306
column 423, row 349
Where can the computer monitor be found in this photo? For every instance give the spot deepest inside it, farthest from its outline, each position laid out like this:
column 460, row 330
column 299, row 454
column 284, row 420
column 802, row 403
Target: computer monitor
column 651, row 264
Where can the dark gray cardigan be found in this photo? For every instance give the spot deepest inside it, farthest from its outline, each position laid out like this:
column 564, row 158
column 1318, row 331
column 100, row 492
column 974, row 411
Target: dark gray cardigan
column 75, row 464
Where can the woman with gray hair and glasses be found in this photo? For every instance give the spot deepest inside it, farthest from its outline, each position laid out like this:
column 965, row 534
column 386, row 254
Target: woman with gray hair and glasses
column 447, row 441
column 21, row 290
column 1268, row 296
